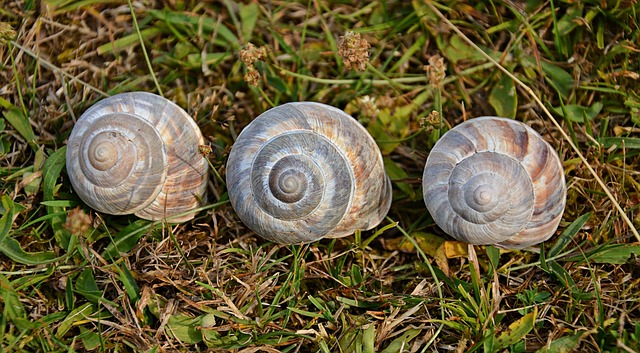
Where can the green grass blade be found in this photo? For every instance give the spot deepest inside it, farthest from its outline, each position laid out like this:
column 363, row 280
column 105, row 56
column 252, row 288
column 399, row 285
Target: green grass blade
column 125, row 240
column 208, row 24
column 248, row 18
column 504, row 98
column 130, row 285
column 568, row 234
column 144, row 48
column 517, row 330
column 620, row 142
column 399, row 344
column 20, row 122
column 127, row 41
column 614, row 254
column 79, row 313
column 10, row 247
column 51, row 172
column 185, row 328
column 62, row 6
column 7, row 218
column 85, row 285
column 566, row 344
column 12, row 307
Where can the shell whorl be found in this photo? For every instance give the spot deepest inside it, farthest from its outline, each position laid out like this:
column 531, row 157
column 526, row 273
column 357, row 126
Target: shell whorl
column 137, row 153
column 303, row 171
column 495, row 181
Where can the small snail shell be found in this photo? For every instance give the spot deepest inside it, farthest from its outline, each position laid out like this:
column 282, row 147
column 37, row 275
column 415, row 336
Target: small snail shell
column 495, row 181
column 137, row 153
column 303, row 171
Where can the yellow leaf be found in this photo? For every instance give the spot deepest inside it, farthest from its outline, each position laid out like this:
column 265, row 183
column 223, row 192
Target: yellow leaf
column 455, row 249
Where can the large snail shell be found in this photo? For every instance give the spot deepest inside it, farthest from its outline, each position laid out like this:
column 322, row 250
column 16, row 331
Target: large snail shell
column 303, row 171
column 138, row 153
column 495, row 181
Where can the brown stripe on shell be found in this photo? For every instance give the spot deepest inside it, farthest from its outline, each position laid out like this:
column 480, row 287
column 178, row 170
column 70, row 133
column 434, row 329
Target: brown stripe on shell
column 334, row 130
column 186, row 181
column 532, row 236
column 138, row 116
column 508, row 187
column 371, row 187
column 539, row 163
column 456, row 147
column 497, row 135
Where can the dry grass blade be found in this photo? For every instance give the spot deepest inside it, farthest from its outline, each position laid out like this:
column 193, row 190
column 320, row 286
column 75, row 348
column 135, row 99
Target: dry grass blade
column 547, row 112
column 44, row 62
column 73, row 279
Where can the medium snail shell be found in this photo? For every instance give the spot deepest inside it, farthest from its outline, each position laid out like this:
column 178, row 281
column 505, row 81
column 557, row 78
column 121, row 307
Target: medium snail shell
column 138, row 153
column 495, row 181
column 303, row 171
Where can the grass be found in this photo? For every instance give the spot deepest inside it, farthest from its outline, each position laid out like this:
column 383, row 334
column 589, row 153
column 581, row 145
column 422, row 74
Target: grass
column 75, row 280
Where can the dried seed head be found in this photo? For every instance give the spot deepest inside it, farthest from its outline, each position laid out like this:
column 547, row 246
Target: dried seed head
column 368, row 106
column 434, row 118
column 354, row 51
column 204, row 150
column 6, row 31
column 430, row 122
column 78, row 222
column 251, row 54
column 436, row 70
column 252, row 77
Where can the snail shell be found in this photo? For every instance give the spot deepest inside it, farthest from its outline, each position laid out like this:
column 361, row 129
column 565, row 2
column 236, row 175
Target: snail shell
column 138, row 153
column 303, row 171
column 495, row 181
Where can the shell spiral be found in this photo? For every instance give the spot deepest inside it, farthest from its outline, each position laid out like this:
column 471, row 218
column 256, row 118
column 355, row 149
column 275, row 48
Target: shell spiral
column 137, row 153
column 495, row 181
column 303, row 171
